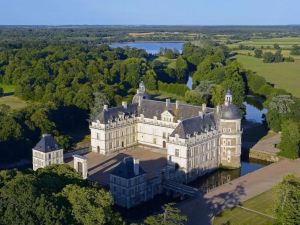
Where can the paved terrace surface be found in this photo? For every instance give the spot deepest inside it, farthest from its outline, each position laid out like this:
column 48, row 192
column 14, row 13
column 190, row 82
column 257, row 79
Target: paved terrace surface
column 99, row 166
column 202, row 209
column 267, row 144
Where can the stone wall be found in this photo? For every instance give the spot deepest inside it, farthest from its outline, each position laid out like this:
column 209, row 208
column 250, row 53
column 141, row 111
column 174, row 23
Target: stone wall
column 265, row 156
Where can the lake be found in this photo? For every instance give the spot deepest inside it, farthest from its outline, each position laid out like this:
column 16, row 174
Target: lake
column 150, row 47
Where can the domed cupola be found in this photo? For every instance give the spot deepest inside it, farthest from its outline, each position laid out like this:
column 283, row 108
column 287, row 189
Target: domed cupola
column 141, row 92
column 230, row 111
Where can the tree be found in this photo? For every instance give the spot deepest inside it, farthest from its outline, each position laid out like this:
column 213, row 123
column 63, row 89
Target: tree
column 181, row 70
column 281, row 103
column 53, row 195
column 290, row 140
column 150, row 80
column 288, row 204
column 90, row 205
column 1, row 92
column 276, row 46
column 268, row 57
column 295, row 50
column 100, row 99
column 258, row 53
column 170, row 216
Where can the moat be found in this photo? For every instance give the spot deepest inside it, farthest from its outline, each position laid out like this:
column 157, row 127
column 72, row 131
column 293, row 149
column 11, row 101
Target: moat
column 253, row 121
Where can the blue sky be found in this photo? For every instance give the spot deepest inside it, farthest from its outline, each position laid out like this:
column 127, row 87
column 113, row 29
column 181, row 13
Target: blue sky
column 150, row 12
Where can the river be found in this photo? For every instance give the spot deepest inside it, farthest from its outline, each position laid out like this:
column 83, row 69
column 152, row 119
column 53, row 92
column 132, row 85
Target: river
column 150, row 47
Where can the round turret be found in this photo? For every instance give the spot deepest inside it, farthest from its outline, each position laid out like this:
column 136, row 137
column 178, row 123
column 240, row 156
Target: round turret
column 230, row 112
column 141, row 93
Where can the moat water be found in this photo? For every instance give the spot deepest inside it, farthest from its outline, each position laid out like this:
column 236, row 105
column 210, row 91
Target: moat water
column 254, row 117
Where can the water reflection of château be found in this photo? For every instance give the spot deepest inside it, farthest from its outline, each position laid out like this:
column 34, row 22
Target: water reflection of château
column 215, row 179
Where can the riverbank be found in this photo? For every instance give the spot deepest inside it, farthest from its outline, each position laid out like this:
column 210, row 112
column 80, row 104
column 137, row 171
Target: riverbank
column 265, row 149
column 202, row 209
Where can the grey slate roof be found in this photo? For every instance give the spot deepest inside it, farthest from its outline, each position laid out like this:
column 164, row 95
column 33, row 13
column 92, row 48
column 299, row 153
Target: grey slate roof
column 198, row 124
column 126, row 169
column 230, row 112
column 47, row 144
column 113, row 113
column 151, row 108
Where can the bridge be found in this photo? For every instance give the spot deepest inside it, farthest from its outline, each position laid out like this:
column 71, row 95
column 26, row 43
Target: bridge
column 179, row 188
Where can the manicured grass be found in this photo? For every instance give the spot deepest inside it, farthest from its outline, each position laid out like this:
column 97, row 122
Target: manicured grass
column 263, row 203
column 13, row 101
column 7, row 88
column 171, row 62
column 284, row 75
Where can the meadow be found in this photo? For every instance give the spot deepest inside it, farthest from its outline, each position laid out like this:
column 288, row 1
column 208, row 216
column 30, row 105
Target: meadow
column 263, row 203
column 284, row 75
column 8, row 89
column 11, row 100
column 285, row 42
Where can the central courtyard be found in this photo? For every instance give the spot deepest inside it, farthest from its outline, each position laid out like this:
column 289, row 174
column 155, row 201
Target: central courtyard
column 152, row 160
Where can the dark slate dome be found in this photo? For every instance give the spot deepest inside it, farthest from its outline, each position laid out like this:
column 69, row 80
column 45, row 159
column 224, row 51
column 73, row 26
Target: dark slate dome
column 138, row 95
column 230, row 112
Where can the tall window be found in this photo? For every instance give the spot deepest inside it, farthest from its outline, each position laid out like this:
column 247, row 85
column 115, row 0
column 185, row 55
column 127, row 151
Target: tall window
column 177, row 152
column 188, row 153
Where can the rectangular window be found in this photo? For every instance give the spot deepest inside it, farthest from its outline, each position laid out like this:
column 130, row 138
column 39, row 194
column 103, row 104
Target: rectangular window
column 164, row 134
column 177, row 152
column 154, row 140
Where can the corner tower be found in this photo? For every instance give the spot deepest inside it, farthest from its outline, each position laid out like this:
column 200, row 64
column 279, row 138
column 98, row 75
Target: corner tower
column 231, row 133
column 140, row 93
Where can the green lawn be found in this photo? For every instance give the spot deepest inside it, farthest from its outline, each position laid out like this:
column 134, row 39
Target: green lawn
column 284, row 75
column 13, row 101
column 285, row 42
column 7, row 88
column 263, row 203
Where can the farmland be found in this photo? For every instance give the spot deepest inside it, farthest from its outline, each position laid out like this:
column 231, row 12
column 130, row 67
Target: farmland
column 284, row 75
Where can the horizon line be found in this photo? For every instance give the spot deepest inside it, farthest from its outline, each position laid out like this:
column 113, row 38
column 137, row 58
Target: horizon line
column 145, row 25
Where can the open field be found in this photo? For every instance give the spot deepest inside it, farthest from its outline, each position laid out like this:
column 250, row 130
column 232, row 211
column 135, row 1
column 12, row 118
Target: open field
column 284, row 75
column 285, row 53
column 285, row 42
column 13, row 101
column 263, row 203
column 7, row 88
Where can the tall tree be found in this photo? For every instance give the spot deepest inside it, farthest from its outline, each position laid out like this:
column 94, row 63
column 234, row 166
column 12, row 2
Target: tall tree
column 288, row 204
column 170, row 216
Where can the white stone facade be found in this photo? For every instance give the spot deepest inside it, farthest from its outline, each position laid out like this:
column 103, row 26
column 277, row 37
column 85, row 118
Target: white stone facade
column 46, row 153
column 197, row 139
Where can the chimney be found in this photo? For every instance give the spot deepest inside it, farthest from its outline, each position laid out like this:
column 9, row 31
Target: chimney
column 136, row 166
column 177, row 104
column 203, row 107
column 105, row 107
column 124, row 104
column 201, row 114
column 218, row 109
column 167, row 102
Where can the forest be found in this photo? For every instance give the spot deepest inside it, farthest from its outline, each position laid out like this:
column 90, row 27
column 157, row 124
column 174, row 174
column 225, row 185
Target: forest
column 61, row 83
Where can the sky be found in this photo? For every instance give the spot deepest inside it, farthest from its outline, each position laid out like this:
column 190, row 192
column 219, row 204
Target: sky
column 149, row 12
